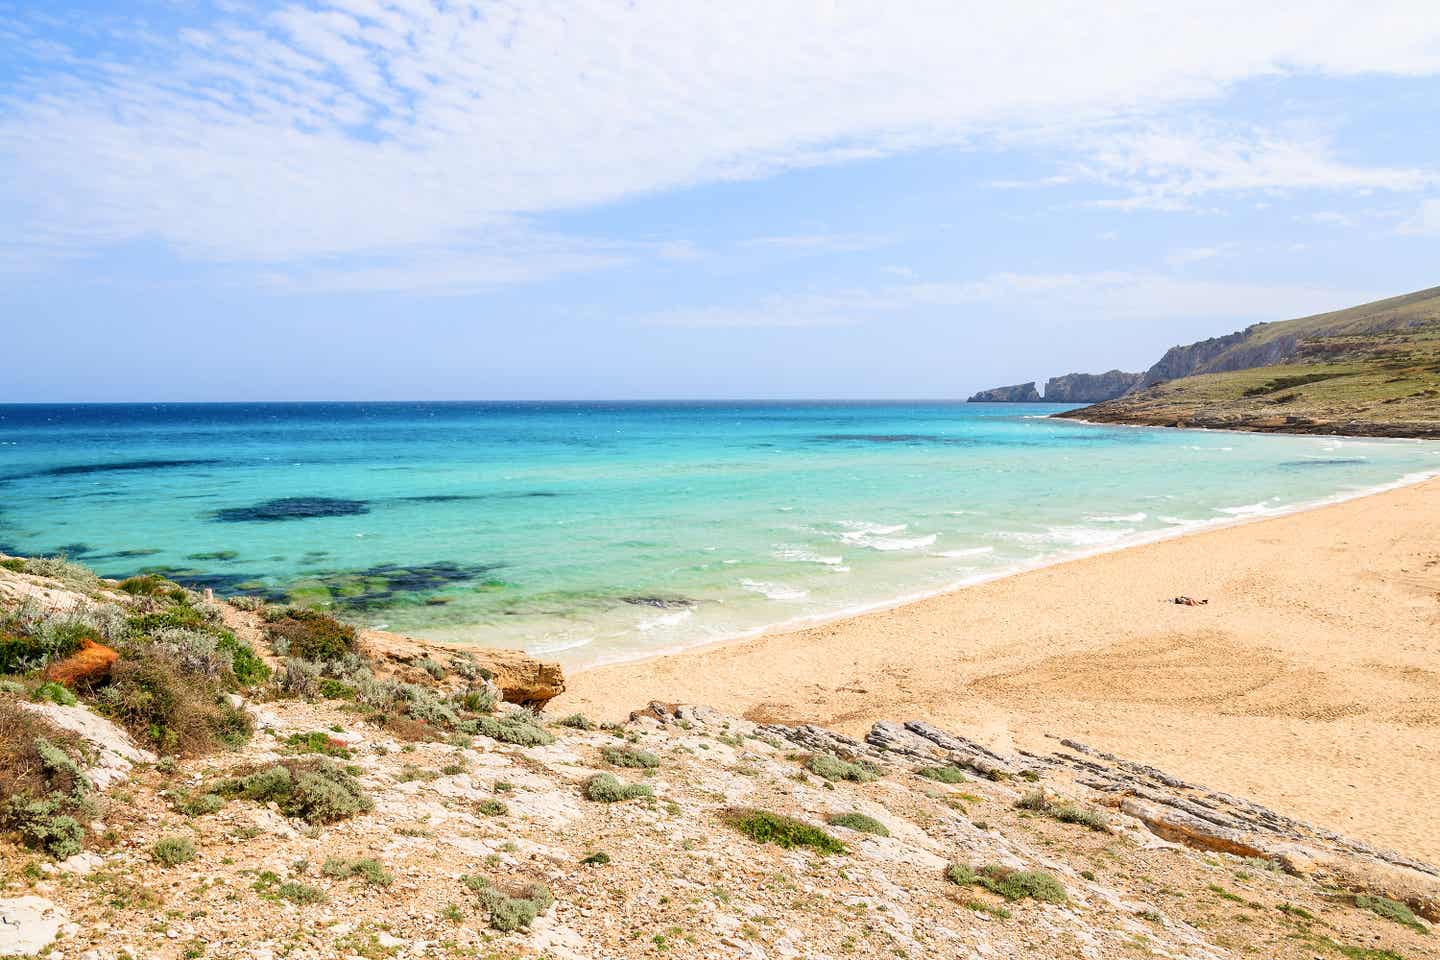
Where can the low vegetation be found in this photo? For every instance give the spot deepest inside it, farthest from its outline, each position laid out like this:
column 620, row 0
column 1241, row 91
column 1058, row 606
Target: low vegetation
column 44, row 796
column 365, row 868
column 316, row 791
column 629, row 757
column 173, row 851
column 510, row 912
column 1010, row 884
column 763, row 826
column 832, row 768
column 604, row 788
column 1066, row 811
column 860, row 823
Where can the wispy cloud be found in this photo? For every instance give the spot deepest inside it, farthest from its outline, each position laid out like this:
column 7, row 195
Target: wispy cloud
column 820, row 242
column 392, row 128
column 1426, row 219
column 1113, row 294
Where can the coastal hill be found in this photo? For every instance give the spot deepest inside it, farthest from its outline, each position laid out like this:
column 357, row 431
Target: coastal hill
column 1370, row 370
column 1070, row 388
column 188, row 777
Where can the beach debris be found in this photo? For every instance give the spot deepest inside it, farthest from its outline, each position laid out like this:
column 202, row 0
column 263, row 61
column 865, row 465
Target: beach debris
column 1185, row 601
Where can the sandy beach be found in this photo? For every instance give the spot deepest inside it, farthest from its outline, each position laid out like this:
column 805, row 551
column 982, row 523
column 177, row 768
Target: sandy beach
column 1310, row 681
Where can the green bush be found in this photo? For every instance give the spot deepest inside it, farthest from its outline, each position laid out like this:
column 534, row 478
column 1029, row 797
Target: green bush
column 169, row 709
column 947, row 774
column 52, row 692
column 1010, row 884
column 576, row 721
column 492, row 808
column 832, row 768
column 311, row 635
column 604, row 788
column 860, row 822
column 72, row 575
column 629, row 757
column 766, row 827
column 517, row 727
column 597, row 859
column 511, row 913
column 199, row 805
column 1392, row 910
column 367, row 869
column 315, row 791
column 44, row 795
column 31, row 637
column 317, row 741
column 148, row 585
column 1064, row 810
column 173, row 851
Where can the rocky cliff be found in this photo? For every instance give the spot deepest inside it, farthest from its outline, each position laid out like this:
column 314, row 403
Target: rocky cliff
column 1090, row 387
column 1019, row 393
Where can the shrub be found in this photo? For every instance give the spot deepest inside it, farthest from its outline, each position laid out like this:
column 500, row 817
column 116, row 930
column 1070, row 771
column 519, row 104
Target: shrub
column 55, row 693
column 479, row 699
column 31, row 637
column 173, row 851
column 245, row 663
column 173, row 711
column 317, row 741
column 199, row 805
column 766, row 827
column 576, row 721
column 1064, row 811
column 300, row 678
column 1010, row 884
column 517, row 727
column 13, row 564
column 431, row 667
column 511, row 913
column 367, row 869
column 832, row 768
column 492, row 808
column 312, row 635
column 1392, row 910
column 604, row 788
column 43, row 793
column 72, row 575
column 629, row 757
column 194, row 651
column 947, row 774
column 861, row 823
column 271, row 887
column 148, row 585
column 597, row 859
column 247, row 603
column 315, row 791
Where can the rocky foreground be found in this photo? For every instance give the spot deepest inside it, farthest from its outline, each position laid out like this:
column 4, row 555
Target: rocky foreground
column 681, row 833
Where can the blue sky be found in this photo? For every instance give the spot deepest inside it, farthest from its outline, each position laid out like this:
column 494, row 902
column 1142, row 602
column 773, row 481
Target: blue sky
column 390, row 199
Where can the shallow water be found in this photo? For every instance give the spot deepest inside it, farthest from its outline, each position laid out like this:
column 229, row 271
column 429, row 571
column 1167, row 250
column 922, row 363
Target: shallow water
column 593, row 532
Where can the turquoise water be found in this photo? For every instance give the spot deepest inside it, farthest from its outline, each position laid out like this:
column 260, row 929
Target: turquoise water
column 593, row 532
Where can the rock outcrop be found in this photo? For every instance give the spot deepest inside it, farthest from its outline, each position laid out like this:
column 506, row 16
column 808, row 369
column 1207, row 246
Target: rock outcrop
column 1019, row 393
column 522, row 679
column 1090, row 387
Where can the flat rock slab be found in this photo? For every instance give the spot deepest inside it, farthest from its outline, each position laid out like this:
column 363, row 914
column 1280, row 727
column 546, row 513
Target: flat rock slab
column 28, row 925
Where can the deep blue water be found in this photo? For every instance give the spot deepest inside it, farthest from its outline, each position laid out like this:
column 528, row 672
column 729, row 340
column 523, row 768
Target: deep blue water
column 594, row 531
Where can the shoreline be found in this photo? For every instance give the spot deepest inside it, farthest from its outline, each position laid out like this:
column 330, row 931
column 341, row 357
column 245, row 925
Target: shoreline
column 1308, row 682
column 1180, row 532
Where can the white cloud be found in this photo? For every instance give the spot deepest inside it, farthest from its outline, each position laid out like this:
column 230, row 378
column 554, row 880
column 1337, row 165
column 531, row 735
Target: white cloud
column 1329, row 218
column 1425, row 220
column 395, row 127
column 820, row 242
column 1189, row 255
column 1115, row 295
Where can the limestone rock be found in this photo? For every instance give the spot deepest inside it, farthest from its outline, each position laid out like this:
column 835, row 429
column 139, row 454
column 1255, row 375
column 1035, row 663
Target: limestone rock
column 1018, row 393
column 116, row 753
column 28, row 925
column 522, row 679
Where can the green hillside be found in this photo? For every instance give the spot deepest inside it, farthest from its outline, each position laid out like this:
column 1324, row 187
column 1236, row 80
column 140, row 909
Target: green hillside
column 1371, row 370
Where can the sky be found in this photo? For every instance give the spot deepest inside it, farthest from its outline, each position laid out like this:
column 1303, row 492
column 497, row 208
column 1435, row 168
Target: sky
column 417, row 199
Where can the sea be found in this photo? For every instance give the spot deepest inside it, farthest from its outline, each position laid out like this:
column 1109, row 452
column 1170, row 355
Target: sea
column 600, row 532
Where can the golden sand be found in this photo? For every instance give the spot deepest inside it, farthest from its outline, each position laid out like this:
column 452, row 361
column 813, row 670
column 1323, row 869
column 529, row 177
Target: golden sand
column 1310, row 682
